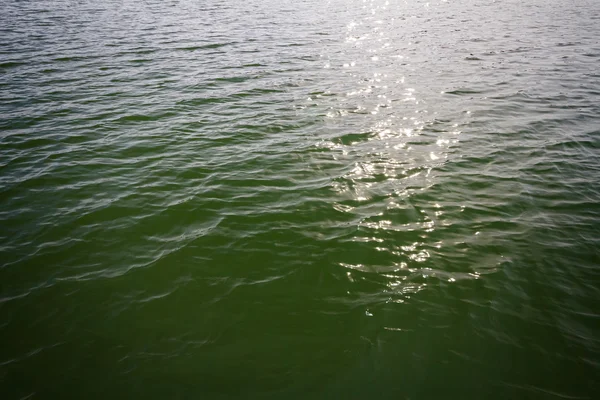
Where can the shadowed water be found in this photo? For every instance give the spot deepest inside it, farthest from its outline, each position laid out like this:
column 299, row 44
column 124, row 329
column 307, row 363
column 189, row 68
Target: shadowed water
column 326, row 199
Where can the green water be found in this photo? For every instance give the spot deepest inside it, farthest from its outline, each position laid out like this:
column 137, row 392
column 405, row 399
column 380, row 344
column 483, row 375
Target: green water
column 321, row 199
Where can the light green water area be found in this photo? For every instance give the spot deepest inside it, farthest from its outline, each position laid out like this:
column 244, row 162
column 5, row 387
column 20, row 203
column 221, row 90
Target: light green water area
column 318, row 199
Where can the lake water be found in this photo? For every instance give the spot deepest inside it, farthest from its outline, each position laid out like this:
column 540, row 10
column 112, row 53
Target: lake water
column 336, row 199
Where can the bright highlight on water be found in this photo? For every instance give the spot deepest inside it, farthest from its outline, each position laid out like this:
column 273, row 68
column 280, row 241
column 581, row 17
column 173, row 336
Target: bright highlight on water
column 343, row 199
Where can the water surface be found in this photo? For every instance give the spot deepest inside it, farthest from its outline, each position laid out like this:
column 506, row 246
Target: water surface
column 326, row 199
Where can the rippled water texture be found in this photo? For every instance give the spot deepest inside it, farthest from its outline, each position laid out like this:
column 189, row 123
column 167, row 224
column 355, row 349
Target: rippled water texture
column 263, row 199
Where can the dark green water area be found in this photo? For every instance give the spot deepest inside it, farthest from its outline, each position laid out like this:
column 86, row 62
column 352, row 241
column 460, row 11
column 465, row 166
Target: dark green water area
column 332, row 199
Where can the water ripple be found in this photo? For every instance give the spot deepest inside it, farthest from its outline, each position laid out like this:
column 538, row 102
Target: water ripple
column 336, row 194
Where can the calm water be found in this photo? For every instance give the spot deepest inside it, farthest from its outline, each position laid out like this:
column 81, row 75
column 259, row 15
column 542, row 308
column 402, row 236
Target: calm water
column 260, row 199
